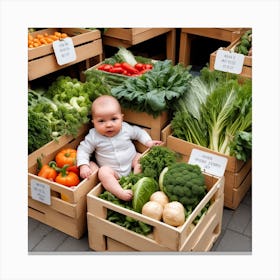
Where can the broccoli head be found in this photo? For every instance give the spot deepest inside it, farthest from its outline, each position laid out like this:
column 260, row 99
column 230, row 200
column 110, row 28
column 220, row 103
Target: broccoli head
column 183, row 182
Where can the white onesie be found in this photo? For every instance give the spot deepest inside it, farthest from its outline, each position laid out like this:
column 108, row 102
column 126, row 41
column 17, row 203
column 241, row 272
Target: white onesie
column 117, row 152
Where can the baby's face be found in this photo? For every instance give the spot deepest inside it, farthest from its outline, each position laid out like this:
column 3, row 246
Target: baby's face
column 107, row 121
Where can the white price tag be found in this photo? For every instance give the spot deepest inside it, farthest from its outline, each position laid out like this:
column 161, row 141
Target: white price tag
column 41, row 192
column 229, row 62
column 64, row 51
column 209, row 163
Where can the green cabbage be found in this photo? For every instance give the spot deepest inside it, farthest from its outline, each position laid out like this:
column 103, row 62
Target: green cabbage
column 142, row 191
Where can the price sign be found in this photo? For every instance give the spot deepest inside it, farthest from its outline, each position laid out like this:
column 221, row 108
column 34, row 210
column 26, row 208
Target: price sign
column 64, row 51
column 229, row 62
column 209, row 163
column 41, row 192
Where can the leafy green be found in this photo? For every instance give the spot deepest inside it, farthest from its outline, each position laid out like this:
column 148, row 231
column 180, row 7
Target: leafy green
column 228, row 110
column 103, row 81
column 123, row 55
column 241, row 146
column 153, row 162
column 156, row 90
column 39, row 130
column 142, row 191
column 126, row 182
column 214, row 109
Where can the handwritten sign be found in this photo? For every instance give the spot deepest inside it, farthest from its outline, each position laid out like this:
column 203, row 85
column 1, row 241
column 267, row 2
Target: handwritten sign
column 64, row 51
column 229, row 62
column 40, row 192
column 208, row 162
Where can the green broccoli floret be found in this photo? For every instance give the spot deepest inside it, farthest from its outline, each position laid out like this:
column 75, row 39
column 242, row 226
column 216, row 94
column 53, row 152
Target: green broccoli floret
column 183, row 182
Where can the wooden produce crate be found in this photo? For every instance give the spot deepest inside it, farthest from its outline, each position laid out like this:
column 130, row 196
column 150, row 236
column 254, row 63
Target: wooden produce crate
column 42, row 61
column 107, row 236
column 223, row 34
column 247, row 65
column 238, row 174
column 67, row 209
column 127, row 37
column 153, row 125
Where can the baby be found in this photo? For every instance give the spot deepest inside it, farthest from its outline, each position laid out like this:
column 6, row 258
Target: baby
column 111, row 142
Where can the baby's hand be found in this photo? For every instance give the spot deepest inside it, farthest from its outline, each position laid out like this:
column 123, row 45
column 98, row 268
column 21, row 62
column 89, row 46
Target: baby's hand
column 152, row 143
column 126, row 195
column 85, row 171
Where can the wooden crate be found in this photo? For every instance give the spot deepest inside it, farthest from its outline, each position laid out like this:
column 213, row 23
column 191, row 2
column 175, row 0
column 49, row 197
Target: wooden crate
column 238, row 174
column 107, row 236
column 127, row 37
column 67, row 211
column 247, row 65
column 145, row 120
column 223, row 34
column 42, row 61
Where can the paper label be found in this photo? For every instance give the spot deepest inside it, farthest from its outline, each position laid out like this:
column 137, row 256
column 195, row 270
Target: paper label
column 229, row 62
column 64, row 51
column 41, row 192
column 208, row 162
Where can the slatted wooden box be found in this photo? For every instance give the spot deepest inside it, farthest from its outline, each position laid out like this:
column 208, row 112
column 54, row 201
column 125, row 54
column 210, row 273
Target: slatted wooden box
column 107, row 236
column 67, row 211
column 238, row 174
column 42, row 61
column 127, row 37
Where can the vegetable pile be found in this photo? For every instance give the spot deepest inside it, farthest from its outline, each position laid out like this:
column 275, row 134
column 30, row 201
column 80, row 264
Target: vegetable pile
column 44, row 39
column 59, row 110
column 63, row 170
column 169, row 194
column 245, row 44
column 125, row 63
column 216, row 112
column 124, row 68
column 156, row 90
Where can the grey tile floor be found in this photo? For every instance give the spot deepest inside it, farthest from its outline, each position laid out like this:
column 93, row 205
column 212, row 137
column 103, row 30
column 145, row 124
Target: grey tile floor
column 236, row 235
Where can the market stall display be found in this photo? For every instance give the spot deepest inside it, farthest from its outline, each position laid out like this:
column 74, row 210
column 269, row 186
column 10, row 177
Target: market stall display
column 172, row 105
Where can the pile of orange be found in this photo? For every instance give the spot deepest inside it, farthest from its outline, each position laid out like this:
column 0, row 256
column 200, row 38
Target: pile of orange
column 44, row 39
